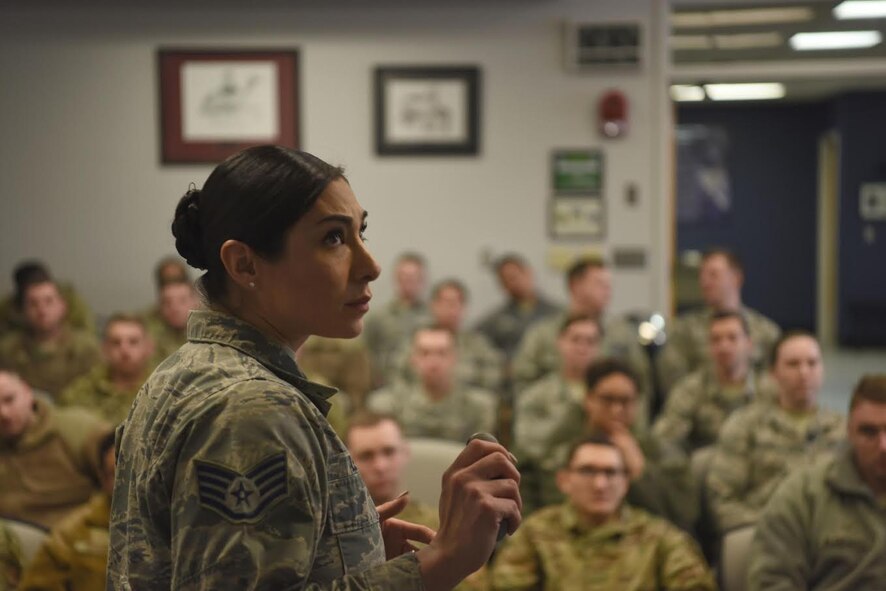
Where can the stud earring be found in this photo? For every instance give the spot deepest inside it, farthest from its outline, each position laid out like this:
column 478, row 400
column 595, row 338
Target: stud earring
column 252, row 284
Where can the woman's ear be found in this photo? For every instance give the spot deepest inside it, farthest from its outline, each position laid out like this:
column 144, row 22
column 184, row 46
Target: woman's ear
column 238, row 260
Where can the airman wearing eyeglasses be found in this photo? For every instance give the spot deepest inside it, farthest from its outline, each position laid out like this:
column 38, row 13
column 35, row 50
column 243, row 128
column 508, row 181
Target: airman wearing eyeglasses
column 825, row 527
column 595, row 540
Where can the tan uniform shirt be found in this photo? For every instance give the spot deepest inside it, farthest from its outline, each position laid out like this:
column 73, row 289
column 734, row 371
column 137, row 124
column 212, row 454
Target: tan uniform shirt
column 50, row 368
column 97, row 393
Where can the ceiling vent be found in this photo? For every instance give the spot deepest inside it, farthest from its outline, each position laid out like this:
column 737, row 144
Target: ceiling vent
column 592, row 46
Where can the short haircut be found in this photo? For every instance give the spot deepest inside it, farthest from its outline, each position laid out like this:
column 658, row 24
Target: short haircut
column 870, row 388
column 25, row 274
column 364, row 419
column 127, row 318
column 572, row 319
column 433, row 327
column 785, row 337
column 731, row 258
column 170, row 261
column 593, row 439
column 450, row 283
column 731, row 314
column 105, row 444
column 581, row 266
column 510, row 258
column 600, row 370
column 410, row 256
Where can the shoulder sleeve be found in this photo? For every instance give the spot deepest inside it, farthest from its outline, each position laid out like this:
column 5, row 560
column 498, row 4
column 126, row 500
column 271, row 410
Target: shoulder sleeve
column 682, row 565
column 517, row 566
column 261, row 500
column 729, row 474
column 675, row 422
column 779, row 555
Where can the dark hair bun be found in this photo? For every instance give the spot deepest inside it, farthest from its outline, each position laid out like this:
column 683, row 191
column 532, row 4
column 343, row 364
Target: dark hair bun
column 188, row 231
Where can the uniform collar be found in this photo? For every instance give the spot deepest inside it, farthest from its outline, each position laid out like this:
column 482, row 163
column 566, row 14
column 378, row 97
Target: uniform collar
column 842, row 475
column 613, row 530
column 209, row 326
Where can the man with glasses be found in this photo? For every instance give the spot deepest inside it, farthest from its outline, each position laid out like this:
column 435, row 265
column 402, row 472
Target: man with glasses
column 596, row 541
column 825, row 528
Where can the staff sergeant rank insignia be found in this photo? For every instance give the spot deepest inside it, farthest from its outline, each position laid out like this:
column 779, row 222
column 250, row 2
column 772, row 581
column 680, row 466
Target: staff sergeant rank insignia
column 242, row 498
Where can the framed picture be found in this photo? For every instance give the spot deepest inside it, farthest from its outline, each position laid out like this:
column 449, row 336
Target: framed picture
column 215, row 103
column 427, row 111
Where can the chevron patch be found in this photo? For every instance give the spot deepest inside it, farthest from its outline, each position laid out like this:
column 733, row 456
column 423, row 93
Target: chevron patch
column 242, row 498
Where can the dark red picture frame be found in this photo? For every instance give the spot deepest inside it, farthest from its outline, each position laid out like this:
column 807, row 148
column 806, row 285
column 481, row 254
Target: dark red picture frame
column 175, row 149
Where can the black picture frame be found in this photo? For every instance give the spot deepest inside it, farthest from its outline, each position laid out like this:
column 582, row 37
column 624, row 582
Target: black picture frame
column 427, row 110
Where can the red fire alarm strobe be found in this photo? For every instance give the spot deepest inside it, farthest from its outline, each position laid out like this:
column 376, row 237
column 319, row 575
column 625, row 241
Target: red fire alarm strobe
column 613, row 114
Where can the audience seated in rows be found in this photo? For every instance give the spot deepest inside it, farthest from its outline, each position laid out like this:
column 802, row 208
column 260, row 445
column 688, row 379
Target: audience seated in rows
column 594, row 540
column 381, row 454
column 437, row 404
column 48, row 354
column 760, row 444
column 589, row 282
column 551, row 411
column 388, row 326
column 79, row 316
column 825, row 527
column 525, row 304
column 700, row 403
column 720, row 277
column 109, row 389
column 47, row 455
column 479, row 364
column 75, row 555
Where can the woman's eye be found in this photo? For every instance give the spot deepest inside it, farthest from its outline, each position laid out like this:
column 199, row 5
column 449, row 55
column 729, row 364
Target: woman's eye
column 334, row 238
column 363, row 234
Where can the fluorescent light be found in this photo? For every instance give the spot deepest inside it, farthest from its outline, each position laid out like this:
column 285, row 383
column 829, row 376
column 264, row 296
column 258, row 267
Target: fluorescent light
column 685, row 42
column 835, row 40
column 860, row 9
column 741, row 17
column 748, row 40
column 756, row 91
column 685, row 93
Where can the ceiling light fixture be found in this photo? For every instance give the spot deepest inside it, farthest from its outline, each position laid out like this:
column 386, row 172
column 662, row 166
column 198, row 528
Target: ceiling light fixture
column 753, row 91
column 741, row 17
column 748, row 40
column 691, row 42
column 860, row 9
column 835, row 40
column 687, row 93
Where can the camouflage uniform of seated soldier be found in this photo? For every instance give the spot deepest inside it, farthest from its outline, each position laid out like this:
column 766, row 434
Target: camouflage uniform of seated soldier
column 760, row 444
column 75, row 555
column 109, row 389
column 47, row 455
column 551, row 412
column 720, row 277
column 700, row 403
column 10, row 559
column 49, row 355
column 167, row 322
column 596, row 542
column 479, row 364
column 438, row 405
column 825, row 527
column 381, row 454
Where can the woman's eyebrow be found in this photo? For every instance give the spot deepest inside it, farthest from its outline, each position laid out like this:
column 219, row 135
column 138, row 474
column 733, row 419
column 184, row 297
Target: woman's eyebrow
column 338, row 217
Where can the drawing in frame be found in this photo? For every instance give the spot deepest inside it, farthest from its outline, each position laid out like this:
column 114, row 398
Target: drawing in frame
column 214, row 103
column 427, row 110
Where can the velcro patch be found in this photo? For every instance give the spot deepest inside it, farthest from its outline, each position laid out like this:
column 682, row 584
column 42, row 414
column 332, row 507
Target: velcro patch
column 242, row 498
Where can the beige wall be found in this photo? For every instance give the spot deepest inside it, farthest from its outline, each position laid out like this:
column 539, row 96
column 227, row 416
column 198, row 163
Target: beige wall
column 82, row 187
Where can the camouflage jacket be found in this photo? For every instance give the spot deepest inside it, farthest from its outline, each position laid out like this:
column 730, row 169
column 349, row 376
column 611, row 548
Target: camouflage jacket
column 758, row 446
column 698, row 406
column 555, row 551
column 53, row 467
column 687, row 346
column 50, row 369
column 505, row 326
column 824, row 530
column 538, row 355
column 10, row 559
column 385, row 331
column 75, row 555
column 167, row 340
column 229, row 476
column 342, row 363
column 97, row 393
column 463, row 412
column 479, row 363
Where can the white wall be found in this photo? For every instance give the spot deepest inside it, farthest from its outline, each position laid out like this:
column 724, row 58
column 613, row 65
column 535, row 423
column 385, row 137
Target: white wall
column 82, row 187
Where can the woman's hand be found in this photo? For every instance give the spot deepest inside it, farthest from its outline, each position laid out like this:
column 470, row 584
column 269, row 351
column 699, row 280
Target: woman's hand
column 399, row 534
column 480, row 491
column 635, row 461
